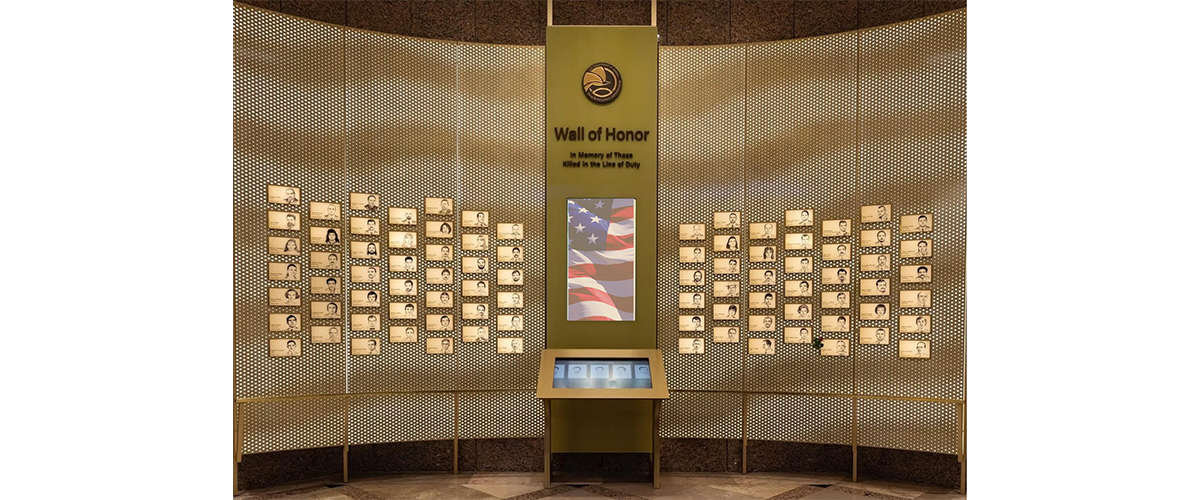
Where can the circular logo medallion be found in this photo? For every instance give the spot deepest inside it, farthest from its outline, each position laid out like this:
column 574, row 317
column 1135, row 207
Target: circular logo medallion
column 601, row 83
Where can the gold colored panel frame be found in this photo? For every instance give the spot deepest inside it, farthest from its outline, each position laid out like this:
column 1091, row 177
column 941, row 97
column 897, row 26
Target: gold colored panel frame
column 658, row 377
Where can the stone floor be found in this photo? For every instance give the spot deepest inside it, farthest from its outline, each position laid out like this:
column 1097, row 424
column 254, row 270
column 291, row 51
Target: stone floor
column 528, row 486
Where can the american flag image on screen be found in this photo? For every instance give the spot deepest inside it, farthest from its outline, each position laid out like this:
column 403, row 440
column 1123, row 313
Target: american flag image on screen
column 600, row 272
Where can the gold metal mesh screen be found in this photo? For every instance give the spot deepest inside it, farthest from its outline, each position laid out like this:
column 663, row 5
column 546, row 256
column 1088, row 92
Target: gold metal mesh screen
column 807, row 419
column 713, row 415
column 908, row 425
column 404, row 417
column 292, row 424
column 500, row 415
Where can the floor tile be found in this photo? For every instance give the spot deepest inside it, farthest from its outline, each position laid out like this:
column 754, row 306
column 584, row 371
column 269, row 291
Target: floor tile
column 506, row 478
column 647, row 490
column 505, row 490
column 828, row 494
column 706, row 493
column 576, row 494
column 762, row 488
column 942, row 496
column 888, row 488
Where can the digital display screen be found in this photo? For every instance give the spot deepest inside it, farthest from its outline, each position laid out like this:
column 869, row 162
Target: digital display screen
column 607, row 373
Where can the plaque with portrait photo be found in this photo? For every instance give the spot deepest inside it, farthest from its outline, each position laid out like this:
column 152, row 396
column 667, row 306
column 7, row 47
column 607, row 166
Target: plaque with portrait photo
column 283, row 245
column 331, row 334
column 835, row 228
column 797, row 335
column 510, row 254
column 691, row 277
column 691, row 300
column 798, row 241
column 762, row 323
column 762, row 254
column 286, row 221
column 402, row 263
column 402, row 286
column 725, row 312
column 471, row 218
column 762, row 277
column 876, row 262
column 510, row 277
column 510, row 345
column 364, row 250
column 874, row 311
column 325, row 285
column 599, row 372
column 874, row 335
column 875, row 238
column 510, row 322
column 920, row 223
column 320, row 210
column 726, row 288
column 402, row 334
column 727, row 243
column 725, row 334
column 922, row 273
column 797, row 288
column 439, row 345
column 282, row 297
column 439, row 206
column 797, row 312
column 439, row 298
column 797, row 265
column 475, row 288
column 368, row 226
column 798, row 218
column 439, row 229
column 364, row 201
column 364, row 298
column 475, row 242
column 912, row 249
column 762, row 231
column 283, row 271
column 691, row 322
column 365, row 274
column 622, row 371
column 324, row 236
column 283, row 195
column 691, row 255
column 874, row 287
column 402, row 216
column 365, row 322
column 836, row 323
column 475, row 334
column 836, row 276
column 474, row 310
column 283, row 348
column 875, row 213
column 439, row 322
column 284, row 322
column 438, row 252
column 760, row 345
column 365, row 347
column 835, row 347
column 917, row 349
column 836, row 251
column 915, row 324
column 325, row 310
column 762, row 300
column 439, row 275
column 510, row 231
column 510, row 300
column 402, row 310
column 722, row 265
column 835, row 300
column 475, row 265
column 402, row 239
column 691, row 345
column 916, row 298
column 727, row 220
column 691, row 232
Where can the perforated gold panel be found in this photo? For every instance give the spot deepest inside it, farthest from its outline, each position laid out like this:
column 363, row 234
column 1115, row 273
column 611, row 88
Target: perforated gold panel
column 500, row 415
column 807, row 419
column 292, row 424
column 406, row 417
column 908, row 425
column 713, row 415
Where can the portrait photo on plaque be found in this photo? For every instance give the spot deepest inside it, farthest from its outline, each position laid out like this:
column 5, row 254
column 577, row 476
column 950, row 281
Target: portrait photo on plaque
column 402, row 263
column 598, row 372
column 726, row 288
column 835, row 228
column 835, row 300
column 364, row 347
column 876, row 213
column 474, row 334
column 364, row 250
column 284, row 322
column 402, row 216
column 471, row 218
column 691, row 232
column 439, row 345
column 320, row 210
column 509, row 277
column 727, row 243
column 439, row 229
column 691, row 277
column 324, row 235
column 835, row 347
column 365, row 274
column 762, row 300
column 475, row 288
column 510, row 345
column 797, row 265
column 364, row 298
column 725, row 312
column 439, row 298
column 835, row 276
column 283, row 245
column 798, row 218
column 915, row 324
column 916, row 274
column 798, row 241
column 875, row 238
column 326, row 334
column 727, row 266
column 475, row 242
column 762, row 253
column 691, row 300
column 874, row 311
column 402, row 286
column 873, row 335
column 364, row 201
column 510, row 254
column 287, row 221
column 402, row 310
column 875, row 262
column 402, row 334
column 916, row 248
column 510, row 322
column 283, row 195
column 474, row 310
column 439, row 275
column 835, row 251
column 918, row 349
column 691, row 254
column 797, row 311
column 439, row 253
column 402, row 239
column 283, row 296
column 364, row 226
column 874, row 287
column 510, row 300
column 439, row 322
column 622, row 371
column 920, row 223
column 691, row 345
column 797, row 288
column 439, row 206
column 760, row 345
column 510, row 231
column 283, row 348
column 762, row 277
column 725, row 334
column 835, row 323
column 727, row 220
column 691, row 323
column 475, row 265
column 325, row 310
column 762, row 231
column 797, row 335
column 916, row 298
column 365, row 322
column 762, row 323
column 325, row 285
